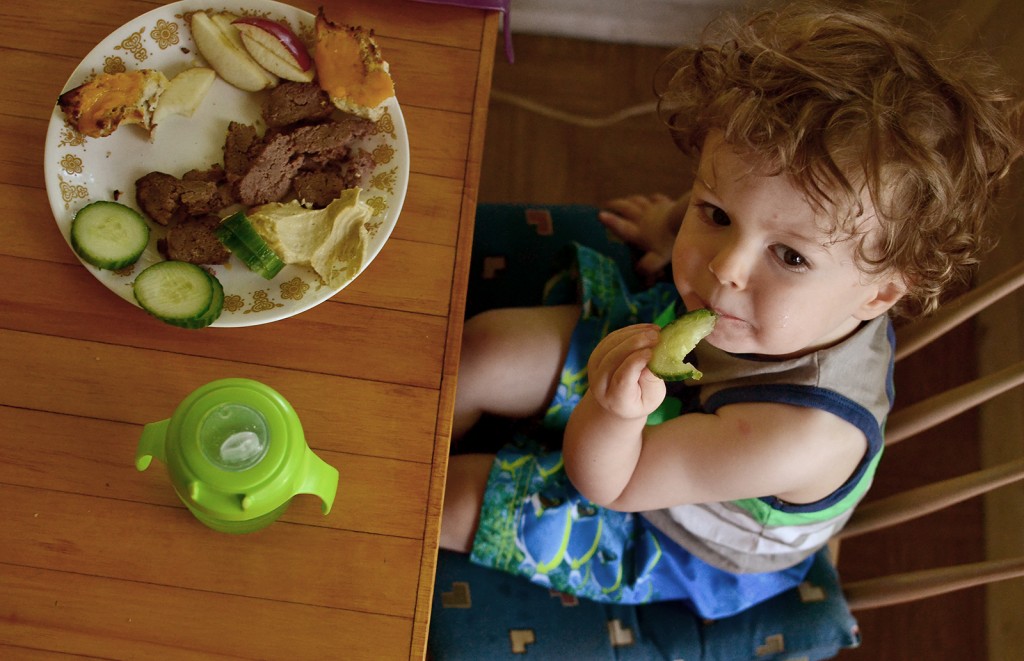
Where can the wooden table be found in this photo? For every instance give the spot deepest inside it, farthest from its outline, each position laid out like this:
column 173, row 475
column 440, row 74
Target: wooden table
column 98, row 559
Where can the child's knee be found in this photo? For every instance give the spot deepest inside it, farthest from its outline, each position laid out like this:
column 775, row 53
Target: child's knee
column 464, row 494
column 485, row 342
column 484, row 332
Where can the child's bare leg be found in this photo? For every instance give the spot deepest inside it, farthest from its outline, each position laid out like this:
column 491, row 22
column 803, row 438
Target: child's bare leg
column 511, row 362
column 463, row 496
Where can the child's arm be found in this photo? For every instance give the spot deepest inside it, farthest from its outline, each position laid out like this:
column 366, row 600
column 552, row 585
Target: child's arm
column 743, row 451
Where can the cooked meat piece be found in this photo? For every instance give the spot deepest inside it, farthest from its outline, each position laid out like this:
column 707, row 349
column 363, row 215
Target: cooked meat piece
column 281, row 156
column 215, row 173
column 318, row 188
column 261, row 170
column 159, row 196
column 358, row 168
column 200, row 197
column 327, row 141
column 270, row 176
column 241, row 141
column 195, row 240
column 292, row 103
column 165, row 198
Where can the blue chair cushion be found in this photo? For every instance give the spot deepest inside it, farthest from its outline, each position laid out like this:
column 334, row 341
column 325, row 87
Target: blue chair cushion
column 517, row 248
column 479, row 613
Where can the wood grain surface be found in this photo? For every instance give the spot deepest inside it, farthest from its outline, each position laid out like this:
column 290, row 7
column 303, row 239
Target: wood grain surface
column 99, row 559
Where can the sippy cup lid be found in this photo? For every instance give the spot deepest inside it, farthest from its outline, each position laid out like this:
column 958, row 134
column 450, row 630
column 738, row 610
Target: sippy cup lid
column 236, row 455
column 233, row 436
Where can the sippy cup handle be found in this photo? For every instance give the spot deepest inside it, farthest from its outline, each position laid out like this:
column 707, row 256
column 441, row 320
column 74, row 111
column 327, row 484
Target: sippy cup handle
column 319, row 479
column 151, row 444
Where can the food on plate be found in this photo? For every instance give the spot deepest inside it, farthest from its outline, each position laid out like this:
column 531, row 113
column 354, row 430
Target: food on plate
column 677, row 340
column 145, row 97
column 276, row 48
column 278, row 159
column 167, row 199
column 97, row 107
column 332, row 241
column 184, row 93
column 109, row 235
column 180, row 294
column 308, row 155
column 291, row 103
column 238, row 234
column 195, row 240
column 220, row 43
column 296, row 172
column 269, row 168
column 351, row 69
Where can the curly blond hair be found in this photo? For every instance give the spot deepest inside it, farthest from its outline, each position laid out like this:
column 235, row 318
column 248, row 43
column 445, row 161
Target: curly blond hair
column 846, row 101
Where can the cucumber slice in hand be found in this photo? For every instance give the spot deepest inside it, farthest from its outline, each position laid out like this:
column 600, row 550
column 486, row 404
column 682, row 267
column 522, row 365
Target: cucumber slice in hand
column 109, row 235
column 677, row 341
column 180, row 294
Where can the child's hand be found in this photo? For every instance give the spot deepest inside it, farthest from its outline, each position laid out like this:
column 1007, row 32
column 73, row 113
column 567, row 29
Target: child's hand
column 620, row 381
column 649, row 223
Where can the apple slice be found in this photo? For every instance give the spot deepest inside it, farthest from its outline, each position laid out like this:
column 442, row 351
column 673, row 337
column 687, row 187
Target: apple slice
column 221, row 44
column 184, row 93
column 276, row 48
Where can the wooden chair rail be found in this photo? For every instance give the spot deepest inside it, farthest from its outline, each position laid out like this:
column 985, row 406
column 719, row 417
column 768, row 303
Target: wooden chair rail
column 929, row 412
column 930, row 498
column 889, row 590
column 912, row 337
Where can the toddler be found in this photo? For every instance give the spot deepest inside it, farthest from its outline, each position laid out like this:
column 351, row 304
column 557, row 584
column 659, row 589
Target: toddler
column 843, row 175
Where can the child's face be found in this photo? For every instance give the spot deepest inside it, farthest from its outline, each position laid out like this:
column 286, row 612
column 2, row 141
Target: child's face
column 751, row 248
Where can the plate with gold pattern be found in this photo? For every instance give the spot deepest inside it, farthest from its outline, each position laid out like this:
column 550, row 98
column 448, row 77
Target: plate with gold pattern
column 80, row 170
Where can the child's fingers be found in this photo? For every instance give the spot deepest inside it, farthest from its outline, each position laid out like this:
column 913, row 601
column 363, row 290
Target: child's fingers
column 632, row 344
column 621, row 226
column 627, row 371
column 626, row 339
column 628, row 206
column 619, row 377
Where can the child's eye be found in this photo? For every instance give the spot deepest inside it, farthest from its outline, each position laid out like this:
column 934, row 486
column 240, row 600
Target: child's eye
column 716, row 216
column 790, row 258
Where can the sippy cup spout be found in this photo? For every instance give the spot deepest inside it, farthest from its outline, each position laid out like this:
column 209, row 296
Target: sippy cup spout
column 151, row 444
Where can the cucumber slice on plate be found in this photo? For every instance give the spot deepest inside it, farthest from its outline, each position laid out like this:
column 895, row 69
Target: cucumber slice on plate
column 109, row 235
column 238, row 235
column 677, row 341
column 216, row 305
column 180, row 294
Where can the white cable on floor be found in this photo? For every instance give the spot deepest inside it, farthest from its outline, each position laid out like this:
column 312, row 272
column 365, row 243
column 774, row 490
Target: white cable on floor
column 571, row 118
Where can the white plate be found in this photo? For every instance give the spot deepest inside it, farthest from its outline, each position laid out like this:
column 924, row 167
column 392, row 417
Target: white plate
column 80, row 170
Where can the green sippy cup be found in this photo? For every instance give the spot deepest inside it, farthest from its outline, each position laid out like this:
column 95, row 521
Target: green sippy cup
column 236, row 455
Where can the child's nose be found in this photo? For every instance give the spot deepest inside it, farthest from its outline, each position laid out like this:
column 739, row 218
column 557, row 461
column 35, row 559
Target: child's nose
column 731, row 265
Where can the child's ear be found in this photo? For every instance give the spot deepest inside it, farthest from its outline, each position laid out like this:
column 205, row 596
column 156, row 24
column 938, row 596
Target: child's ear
column 889, row 291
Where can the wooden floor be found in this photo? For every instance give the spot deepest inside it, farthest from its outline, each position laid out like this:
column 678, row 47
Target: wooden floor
column 532, row 158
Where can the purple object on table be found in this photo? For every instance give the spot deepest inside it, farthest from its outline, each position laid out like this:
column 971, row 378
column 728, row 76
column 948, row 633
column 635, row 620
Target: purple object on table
column 504, row 6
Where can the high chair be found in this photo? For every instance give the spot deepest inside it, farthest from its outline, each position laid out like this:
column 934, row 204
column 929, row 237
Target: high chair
column 483, row 614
